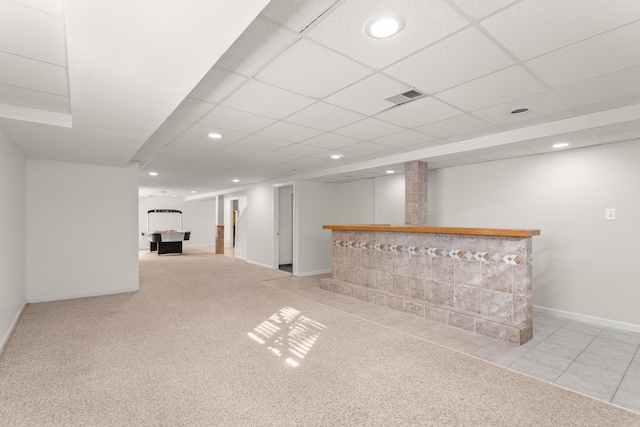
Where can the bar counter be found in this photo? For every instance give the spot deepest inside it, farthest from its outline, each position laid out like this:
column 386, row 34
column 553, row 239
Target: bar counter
column 476, row 279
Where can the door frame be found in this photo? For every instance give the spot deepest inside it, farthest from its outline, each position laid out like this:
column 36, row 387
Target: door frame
column 276, row 225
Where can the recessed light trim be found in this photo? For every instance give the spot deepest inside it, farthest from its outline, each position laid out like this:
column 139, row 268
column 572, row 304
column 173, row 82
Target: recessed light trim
column 560, row 145
column 390, row 171
column 193, row 191
column 383, row 26
column 521, row 110
column 153, row 173
column 336, row 156
column 214, row 135
column 235, row 180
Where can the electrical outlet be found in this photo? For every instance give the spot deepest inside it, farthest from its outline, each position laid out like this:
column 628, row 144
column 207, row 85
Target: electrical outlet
column 610, row 214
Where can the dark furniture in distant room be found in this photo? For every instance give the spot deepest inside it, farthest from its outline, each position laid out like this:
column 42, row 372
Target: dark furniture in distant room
column 166, row 241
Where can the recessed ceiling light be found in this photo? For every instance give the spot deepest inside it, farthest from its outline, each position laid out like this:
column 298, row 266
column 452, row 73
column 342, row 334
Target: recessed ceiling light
column 214, row 135
column 175, row 195
column 235, row 180
column 336, row 156
column 153, row 173
column 390, row 172
column 520, row 110
column 193, row 191
column 560, row 145
column 384, row 26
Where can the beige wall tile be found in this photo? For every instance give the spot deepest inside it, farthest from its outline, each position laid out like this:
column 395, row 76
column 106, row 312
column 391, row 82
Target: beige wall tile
column 402, row 263
column 497, row 276
column 497, row 305
column 420, row 266
column 384, row 280
column 467, row 272
column 442, row 293
column 522, row 280
column 462, row 321
column 468, row 298
column 436, row 314
column 442, row 269
column 497, row 330
column 384, row 261
column 421, row 288
column 401, row 285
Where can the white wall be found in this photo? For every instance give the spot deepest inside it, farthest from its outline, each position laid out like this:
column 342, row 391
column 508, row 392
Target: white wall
column 13, row 213
column 198, row 217
column 81, row 230
column 389, row 200
column 583, row 264
column 260, row 225
column 354, row 202
column 317, row 205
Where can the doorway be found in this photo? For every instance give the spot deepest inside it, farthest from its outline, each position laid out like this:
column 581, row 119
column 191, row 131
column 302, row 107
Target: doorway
column 284, row 206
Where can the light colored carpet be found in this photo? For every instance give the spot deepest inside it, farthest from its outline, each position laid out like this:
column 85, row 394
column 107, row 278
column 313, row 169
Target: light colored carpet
column 187, row 351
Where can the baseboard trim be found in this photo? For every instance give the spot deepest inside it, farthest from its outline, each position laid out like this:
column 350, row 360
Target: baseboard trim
column 313, row 273
column 6, row 337
column 84, row 295
column 599, row 321
column 260, row 264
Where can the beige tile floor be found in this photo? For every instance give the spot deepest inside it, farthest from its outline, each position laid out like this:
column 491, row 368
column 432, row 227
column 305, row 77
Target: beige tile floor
column 600, row 362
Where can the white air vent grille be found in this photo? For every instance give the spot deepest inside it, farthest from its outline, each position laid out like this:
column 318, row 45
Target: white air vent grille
column 405, row 96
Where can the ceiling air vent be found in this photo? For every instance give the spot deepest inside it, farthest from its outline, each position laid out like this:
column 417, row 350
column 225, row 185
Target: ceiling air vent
column 404, row 96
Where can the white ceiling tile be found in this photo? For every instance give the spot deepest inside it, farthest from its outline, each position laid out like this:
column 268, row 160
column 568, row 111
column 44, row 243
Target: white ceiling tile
column 312, row 70
column 540, row 105
column 302, row 150
column 368, row 129
column 279, row 157
column 324, row 117
column 289, row 132
column 228, row 118
column 216, row 85
column 55, row 7
column 31, row 74
column 602, row 54
column 32, row 33
column 481, row 8
column 200, row 131
column 260, row 42
column 499, row 87
column 533, row 27
column 191, row 110
column 34, row 99
column 610, row 86
column 614, row 103
column 255, row 143
column 419, row 112
column 197, row 143
column 459, row 125
column 403, row 139
column 454, row 60
column 296, row 14
column 259, row 98
column 331, row 141
column 426, row 22
column 368, row 148
column 173, row 126
column 366, row 96
column 313, row 161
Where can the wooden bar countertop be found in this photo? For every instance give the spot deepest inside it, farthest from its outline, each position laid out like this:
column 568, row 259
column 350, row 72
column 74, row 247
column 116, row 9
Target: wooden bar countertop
column 436, row 230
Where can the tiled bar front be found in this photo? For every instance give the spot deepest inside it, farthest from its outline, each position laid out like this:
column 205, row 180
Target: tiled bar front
column 481, row 283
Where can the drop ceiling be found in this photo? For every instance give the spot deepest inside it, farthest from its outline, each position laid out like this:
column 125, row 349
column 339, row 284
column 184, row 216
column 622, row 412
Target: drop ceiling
column 287, row 83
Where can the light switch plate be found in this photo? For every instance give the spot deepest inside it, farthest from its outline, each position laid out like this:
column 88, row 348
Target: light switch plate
column 610, row 214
